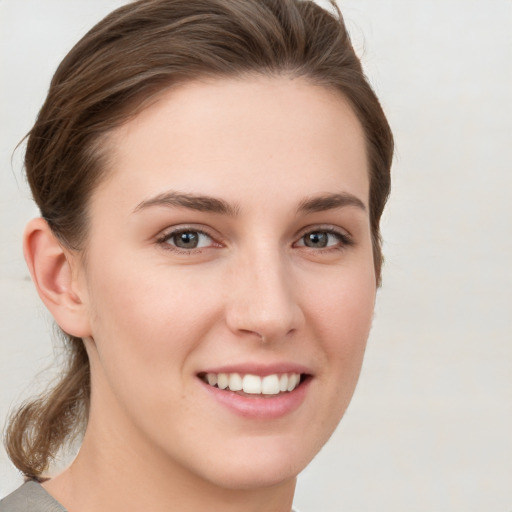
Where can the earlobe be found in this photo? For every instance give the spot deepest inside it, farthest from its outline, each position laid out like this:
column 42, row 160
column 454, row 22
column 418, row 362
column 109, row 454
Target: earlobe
column 51, row 268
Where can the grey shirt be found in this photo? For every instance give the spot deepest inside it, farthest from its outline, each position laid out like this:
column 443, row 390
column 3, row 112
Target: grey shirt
column 30, row 497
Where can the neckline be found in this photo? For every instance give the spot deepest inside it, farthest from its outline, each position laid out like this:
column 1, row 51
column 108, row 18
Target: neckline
column 36, row 487
column 39, row 493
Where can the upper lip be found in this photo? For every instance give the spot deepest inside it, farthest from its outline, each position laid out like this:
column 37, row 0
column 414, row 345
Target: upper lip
column 259, row 369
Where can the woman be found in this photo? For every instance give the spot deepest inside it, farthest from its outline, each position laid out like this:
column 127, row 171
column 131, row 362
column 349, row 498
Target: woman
column 211, row 176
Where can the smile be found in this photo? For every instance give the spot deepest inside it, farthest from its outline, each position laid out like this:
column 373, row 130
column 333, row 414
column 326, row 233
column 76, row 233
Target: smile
column 249, row 384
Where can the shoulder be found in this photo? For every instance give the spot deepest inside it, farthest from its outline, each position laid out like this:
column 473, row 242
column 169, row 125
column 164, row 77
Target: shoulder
column 30, row 497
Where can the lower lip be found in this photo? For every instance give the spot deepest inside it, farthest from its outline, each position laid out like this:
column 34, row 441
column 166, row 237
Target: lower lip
column 260, row 407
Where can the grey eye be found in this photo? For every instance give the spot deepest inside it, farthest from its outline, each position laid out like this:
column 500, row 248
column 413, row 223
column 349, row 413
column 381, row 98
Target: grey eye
column 322, row 240
column 186, row 240
column 189, row 239
column 317, row 239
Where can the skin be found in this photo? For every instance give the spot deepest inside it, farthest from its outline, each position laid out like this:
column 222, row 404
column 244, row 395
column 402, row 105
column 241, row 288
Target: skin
column 153, row 315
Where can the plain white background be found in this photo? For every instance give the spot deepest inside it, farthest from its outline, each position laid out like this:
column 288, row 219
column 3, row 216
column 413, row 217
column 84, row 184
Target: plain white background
column 430, row 425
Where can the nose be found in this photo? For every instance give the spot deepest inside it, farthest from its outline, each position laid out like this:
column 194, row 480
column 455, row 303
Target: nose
column 263, row 298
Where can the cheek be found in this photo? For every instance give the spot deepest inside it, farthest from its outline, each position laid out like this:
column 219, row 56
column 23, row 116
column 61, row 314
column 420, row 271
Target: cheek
column 342, row 314
column 144, row 320
column 340, row 317
column 145, row 327
column 344, row 310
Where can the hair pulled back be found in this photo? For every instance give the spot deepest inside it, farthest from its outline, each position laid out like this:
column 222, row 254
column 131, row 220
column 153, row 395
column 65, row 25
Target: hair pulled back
column 111, row 74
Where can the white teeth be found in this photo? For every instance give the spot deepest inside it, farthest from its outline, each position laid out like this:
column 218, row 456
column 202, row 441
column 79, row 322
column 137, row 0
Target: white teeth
column 270, row 385
column 254, row 384
column 293, row 380
column 235, row 382
column 283, row 382
column 222, row 380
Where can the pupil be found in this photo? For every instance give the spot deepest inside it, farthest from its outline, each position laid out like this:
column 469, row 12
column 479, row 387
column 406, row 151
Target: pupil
column 187, row 240
column 316, row 240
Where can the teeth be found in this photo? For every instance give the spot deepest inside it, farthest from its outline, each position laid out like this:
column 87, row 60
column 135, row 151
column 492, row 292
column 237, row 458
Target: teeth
column 222, row 380
column 270, row 385
column 235, row 382
column 254, row 384
column 283, row 382
column 293, row 380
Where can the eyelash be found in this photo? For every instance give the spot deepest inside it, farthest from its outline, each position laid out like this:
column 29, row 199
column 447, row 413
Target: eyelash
column 166, row 237
column 344, row 240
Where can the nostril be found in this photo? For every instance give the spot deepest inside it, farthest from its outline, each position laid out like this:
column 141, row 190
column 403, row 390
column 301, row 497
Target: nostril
column 262, row 337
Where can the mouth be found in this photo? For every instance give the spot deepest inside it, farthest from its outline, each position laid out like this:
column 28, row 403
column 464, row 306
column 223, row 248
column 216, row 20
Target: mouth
column 256, row 386
column 258, row 393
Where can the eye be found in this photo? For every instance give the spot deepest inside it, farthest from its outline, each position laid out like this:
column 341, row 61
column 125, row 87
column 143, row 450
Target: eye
column 323, row 239
column 187, row 239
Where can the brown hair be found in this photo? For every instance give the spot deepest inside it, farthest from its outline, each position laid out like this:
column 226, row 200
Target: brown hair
column 134, row 53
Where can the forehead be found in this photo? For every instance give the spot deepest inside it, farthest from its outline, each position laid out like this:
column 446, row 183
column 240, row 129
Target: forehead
column 241, row 136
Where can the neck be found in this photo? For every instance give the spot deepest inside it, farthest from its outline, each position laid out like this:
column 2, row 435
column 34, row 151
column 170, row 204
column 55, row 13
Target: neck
column 110, row 474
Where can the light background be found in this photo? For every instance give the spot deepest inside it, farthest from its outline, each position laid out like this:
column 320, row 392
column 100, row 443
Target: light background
column 430, row 425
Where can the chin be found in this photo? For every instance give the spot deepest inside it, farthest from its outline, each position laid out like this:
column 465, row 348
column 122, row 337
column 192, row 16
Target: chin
column 258, row 464
column 253, row 477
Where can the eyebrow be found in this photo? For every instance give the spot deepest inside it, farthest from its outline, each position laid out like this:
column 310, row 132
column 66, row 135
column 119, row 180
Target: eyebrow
column 191, row 201
column 326, row 202
column 210, row 204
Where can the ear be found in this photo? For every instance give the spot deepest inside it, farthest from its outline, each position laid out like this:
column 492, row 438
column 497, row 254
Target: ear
column 55, row 271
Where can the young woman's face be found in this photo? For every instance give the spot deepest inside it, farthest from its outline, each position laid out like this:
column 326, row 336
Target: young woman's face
column 230, row 243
